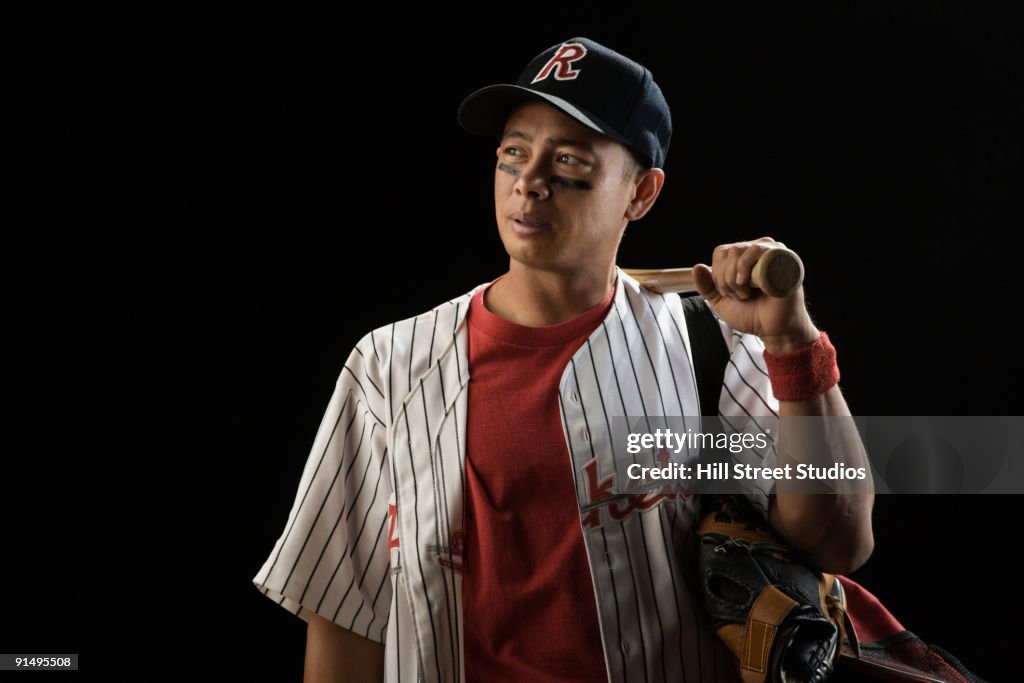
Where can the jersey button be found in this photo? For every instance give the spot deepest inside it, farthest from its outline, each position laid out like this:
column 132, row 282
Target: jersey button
column 625, row 647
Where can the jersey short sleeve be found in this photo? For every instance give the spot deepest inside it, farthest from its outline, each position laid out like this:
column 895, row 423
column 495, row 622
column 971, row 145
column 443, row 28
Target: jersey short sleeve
column 332, row 558
column 746, row 400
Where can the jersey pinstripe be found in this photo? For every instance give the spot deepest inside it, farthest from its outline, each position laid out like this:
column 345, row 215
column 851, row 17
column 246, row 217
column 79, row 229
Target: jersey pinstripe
column 372, row 541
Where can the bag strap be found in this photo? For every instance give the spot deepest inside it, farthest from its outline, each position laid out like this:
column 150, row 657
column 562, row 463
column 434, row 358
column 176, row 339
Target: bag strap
column 709, row 351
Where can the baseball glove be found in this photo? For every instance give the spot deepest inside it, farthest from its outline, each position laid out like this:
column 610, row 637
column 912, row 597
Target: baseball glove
column 784, row 622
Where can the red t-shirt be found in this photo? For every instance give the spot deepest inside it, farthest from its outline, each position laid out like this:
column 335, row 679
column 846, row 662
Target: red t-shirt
column 528, row 596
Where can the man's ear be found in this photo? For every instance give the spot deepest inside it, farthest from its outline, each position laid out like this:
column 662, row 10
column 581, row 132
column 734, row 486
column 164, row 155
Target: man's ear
column 648, row 186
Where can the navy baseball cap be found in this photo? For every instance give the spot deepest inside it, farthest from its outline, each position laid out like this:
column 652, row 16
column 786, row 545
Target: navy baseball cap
column 593, row 84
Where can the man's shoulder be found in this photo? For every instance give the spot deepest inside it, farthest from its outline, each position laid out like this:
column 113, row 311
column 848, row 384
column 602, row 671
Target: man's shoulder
column 414, row 341
column 452, row 310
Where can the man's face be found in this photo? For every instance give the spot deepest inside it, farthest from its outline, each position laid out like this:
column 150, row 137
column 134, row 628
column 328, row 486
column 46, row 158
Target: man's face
column 561, row 191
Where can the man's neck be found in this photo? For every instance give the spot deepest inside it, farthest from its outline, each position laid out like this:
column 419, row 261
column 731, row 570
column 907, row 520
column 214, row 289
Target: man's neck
column 538, row 298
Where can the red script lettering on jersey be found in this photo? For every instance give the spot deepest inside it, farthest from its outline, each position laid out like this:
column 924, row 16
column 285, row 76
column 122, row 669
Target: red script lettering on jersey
column 600, row 493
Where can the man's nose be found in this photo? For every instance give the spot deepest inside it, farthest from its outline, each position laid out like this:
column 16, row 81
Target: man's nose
column 535, row 179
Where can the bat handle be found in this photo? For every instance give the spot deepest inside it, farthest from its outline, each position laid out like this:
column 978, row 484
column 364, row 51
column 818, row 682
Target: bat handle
column 778, row 273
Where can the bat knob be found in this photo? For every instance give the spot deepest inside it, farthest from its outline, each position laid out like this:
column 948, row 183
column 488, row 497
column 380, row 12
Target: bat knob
column 778, row 273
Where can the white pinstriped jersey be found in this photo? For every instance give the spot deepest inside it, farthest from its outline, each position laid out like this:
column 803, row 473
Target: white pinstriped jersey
column 372, row 542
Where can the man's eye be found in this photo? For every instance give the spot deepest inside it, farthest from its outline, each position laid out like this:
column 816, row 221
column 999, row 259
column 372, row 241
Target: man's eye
column 567, row 159
column 512, row 151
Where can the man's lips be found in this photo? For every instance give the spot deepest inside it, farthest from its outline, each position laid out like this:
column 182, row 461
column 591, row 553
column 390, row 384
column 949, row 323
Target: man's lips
column 529, row 223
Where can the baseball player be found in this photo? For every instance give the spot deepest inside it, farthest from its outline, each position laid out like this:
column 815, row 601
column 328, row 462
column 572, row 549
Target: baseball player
column 462, row 514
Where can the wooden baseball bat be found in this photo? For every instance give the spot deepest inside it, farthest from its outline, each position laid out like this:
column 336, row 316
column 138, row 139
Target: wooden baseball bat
column 779, row 272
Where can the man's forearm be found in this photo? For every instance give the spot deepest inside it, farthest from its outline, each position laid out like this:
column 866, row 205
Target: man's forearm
column 832, row 529
column 336, row 655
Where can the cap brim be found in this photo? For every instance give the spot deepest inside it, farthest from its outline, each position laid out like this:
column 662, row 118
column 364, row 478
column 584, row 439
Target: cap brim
column 485, row 111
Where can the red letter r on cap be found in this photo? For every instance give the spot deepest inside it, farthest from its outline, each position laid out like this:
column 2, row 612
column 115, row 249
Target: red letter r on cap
column 561, row 63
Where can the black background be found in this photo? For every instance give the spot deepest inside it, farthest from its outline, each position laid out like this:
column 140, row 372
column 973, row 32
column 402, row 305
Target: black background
column 312, row 183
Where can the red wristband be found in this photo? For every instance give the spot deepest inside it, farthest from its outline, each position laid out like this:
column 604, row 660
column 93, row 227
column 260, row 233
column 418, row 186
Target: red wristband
column 804, row 373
